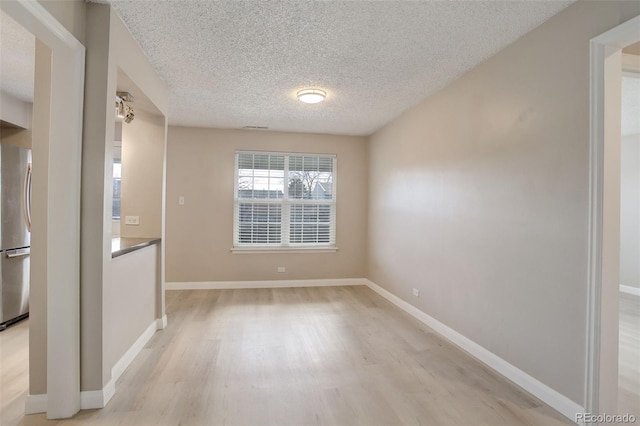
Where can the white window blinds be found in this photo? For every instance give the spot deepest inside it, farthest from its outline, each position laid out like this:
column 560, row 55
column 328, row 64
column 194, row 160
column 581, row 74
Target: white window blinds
column 284, row 200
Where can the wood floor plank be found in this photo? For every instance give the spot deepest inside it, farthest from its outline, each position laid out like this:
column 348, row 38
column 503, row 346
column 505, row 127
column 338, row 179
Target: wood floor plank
column 305, row 356
column 14, row 378
column 629, row 355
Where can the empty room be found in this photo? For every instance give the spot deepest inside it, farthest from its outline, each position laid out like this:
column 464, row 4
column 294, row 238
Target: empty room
column 320, row 213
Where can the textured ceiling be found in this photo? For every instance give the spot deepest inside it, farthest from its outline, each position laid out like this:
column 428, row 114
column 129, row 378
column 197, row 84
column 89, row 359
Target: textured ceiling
column 17, row 59
column 375, row 59
column 233, row 64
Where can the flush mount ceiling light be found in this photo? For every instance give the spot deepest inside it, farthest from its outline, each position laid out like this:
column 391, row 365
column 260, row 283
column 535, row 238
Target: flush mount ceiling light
column 311, row 96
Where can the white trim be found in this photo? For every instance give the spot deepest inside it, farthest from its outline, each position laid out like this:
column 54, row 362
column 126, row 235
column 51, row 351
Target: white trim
column 282, row 249
column 39, row 22
column 59, row 223
column 616, row 38
column 532, row 385
column 286, row 203
column 630, row 290
column 128, row 357
column 630, row 63
column 229, row 285
column 594, row 261
column 90, row 400
column 100, row 398
column 295, row 154
column 35, row 404
column 161, row 323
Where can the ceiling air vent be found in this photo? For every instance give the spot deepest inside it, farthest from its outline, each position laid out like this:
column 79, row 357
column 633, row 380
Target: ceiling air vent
column 255, row 127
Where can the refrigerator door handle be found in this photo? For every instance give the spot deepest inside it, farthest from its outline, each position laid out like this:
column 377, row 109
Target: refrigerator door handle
column 26, row 198
column 18, row 253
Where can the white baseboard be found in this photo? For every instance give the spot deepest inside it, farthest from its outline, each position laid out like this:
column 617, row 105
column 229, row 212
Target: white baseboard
column 630, row 290
column 100, row 398
column 532, row 385
column 226, row 285
column 35, row 404
column 161, row 323
column 128, row 357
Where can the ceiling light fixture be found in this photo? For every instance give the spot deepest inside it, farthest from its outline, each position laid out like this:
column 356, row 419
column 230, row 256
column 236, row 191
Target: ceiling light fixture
column 123, row 109
column 311, row 96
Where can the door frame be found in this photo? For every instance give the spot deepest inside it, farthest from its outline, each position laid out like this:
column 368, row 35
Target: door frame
column 57, row 226
column 601, row 388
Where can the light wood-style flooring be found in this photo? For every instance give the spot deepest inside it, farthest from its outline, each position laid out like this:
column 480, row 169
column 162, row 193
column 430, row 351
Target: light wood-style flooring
column 629, row 355
column 14, row 372
column 304, row 356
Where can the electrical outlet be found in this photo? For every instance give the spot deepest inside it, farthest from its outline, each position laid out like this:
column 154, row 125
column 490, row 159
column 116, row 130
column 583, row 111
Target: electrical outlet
column 181, row 200
column 282, row 269
column 132, row 220
column 416, row 292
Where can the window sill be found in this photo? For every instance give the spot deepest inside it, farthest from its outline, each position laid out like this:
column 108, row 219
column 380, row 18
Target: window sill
column 263, row 249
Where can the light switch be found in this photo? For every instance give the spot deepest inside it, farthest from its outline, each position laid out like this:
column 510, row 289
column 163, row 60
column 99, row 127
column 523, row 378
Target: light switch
column 181, row 200
column 132, row 220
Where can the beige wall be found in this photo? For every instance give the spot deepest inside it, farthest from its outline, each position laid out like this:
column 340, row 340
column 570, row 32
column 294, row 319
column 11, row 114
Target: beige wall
column 16, row 136
column 95, row 259
column 15, row 111
column 479, row 199
column 630, row 212
column 39, row 256
column 142, row 171
column 110, row 48
column 70, row 13
column 200, row 167
column 18, row 113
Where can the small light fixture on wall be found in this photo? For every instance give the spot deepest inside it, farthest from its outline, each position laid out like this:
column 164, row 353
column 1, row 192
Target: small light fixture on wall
column 124, row 111
column 311, row 96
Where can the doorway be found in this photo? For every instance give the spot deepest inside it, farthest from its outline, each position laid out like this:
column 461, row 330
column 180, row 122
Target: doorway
column 601, row 384
column 629, row 302
column 57, row 129
column 17, row 50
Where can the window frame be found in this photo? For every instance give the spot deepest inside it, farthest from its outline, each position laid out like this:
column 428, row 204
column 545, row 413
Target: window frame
column 285, row 244
column 113, row 185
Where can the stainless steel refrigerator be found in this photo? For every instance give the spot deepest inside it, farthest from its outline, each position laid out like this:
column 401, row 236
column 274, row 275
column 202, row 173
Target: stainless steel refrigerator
column 15, row 233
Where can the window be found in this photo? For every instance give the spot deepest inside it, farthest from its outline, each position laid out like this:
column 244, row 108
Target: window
column 117, row 188
column 284, row 201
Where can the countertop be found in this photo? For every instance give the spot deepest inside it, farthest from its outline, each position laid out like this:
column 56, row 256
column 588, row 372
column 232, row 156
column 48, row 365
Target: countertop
column 120, row 246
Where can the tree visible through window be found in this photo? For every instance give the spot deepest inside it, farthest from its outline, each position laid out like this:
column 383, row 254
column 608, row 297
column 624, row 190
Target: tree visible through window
column 284, row 200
